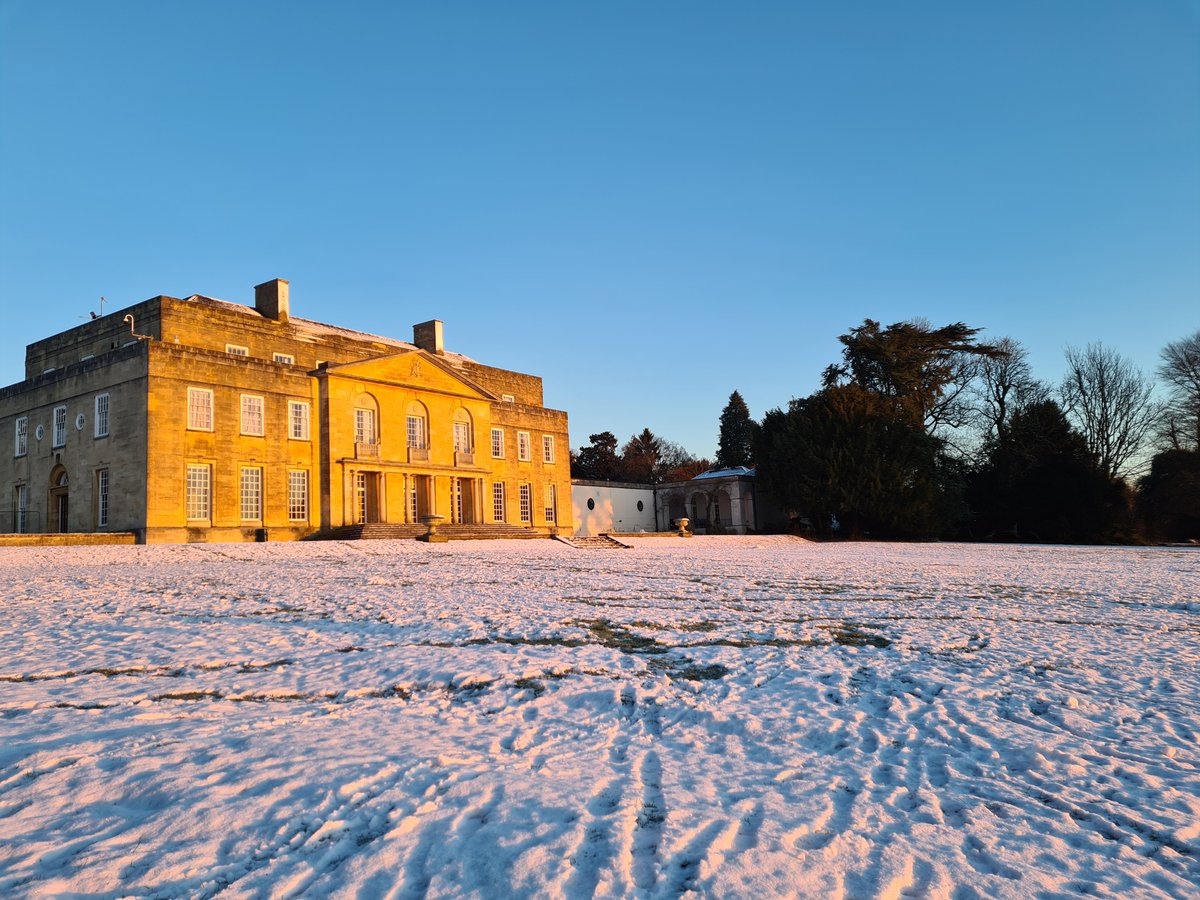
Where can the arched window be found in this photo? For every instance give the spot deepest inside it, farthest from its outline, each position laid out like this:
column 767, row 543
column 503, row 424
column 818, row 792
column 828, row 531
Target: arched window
column 417, row 426
column 464, row 437
column 366, row 419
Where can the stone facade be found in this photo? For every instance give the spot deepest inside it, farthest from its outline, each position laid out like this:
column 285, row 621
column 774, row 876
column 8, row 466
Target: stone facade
column 199, row 420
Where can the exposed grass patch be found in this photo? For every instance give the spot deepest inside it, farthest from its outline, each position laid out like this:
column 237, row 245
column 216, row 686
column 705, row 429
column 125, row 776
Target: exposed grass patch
column 689, row 627
column 148, row 671
column 746, row 643
column 530, row 684
column 852, row 634
column 617, row 637
column 693, row 672
column 188, row 695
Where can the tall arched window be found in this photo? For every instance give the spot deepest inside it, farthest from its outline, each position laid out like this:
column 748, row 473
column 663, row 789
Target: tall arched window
column 418, row 426
column 366, row 419
column 464, row 437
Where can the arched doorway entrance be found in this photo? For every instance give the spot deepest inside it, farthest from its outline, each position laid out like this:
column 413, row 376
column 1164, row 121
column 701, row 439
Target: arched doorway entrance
column 58, row 500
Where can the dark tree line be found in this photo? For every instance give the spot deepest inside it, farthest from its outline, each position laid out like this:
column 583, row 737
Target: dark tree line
column 923, row 432
column 645, row 459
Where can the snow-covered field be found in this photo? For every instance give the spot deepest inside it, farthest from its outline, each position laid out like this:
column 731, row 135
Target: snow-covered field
column 743, row 717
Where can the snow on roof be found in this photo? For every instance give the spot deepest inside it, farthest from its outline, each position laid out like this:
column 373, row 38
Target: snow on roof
column 731, row 472
column 322, row 328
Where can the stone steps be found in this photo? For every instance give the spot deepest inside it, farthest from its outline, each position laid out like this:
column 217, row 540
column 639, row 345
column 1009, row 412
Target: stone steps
column 384, row 531
column 371, row 532
column 594, row 542
column 487, row 532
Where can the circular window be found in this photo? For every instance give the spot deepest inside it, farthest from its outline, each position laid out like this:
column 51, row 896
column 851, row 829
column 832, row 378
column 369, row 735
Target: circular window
column 591, row 503
column 640, row 506
column 40, row 432
column 79, row 421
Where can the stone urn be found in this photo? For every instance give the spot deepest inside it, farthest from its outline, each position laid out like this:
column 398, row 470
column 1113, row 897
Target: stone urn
column 432, row 522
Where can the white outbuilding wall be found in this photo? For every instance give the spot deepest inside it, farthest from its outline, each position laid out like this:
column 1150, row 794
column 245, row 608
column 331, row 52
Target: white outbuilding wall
column 604, row 506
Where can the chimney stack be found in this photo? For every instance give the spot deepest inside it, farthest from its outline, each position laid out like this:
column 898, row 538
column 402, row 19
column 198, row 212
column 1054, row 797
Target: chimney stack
column 271, row 299
column 428, row 336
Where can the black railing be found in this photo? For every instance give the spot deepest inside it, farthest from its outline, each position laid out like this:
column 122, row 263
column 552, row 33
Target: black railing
column 21, row 521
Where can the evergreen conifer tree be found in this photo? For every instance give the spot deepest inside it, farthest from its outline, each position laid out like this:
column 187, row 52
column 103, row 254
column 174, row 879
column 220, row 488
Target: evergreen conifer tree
column 735, row 442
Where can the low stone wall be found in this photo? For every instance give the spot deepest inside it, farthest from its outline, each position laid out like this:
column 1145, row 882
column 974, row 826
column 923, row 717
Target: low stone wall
column 224, row 535
column 67, row 540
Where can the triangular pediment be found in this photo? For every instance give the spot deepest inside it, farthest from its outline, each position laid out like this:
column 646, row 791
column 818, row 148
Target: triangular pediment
column 413, row 369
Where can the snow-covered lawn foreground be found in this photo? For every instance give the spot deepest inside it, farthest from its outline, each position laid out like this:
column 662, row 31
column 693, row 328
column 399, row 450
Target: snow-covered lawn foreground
column 744, row 717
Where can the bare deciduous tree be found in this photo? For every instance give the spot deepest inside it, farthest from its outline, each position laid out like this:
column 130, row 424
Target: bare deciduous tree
column 1109, row 400
column 1180, row 368
column 1005, row 384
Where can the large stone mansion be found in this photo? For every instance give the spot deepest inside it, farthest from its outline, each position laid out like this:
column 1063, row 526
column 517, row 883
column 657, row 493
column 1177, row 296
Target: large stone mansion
column 200, row 420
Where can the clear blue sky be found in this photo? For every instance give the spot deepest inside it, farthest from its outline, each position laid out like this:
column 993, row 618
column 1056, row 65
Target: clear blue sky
column 648, row 204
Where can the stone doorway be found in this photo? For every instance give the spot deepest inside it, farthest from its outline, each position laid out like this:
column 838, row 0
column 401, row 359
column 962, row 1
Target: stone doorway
column 59, row 500
column 367, row 506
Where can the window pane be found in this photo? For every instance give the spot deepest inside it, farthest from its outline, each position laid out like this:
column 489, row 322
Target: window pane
column 197, row 492
column 298, row 417
column 498, row 443
column 416, row 432
column 498, row 513
column 20, row 525
column 298, row 495
column 102, row 497
column 360, row 497
column 200, row 409
column 526, row 503
column 364, row 426
column 252, row 414
column 101, row 416
column 251, row 482
column 462, row 436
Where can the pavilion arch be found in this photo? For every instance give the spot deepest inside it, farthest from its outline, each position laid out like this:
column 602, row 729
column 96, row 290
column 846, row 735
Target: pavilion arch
column 676, row 509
